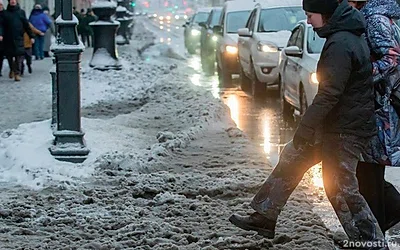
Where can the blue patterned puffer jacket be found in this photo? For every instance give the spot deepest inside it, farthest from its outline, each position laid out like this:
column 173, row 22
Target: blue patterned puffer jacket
column 383, row 37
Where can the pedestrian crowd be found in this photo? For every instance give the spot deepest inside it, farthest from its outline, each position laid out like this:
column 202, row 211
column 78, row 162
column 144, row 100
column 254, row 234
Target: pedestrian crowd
column 352, row 126
column 21, row 37
column 84, row 28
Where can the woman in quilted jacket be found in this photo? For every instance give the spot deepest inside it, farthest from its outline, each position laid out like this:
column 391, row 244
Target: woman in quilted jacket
column 383, row 38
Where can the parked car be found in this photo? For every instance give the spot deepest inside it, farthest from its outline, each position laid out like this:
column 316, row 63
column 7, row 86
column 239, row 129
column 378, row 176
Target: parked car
column 234, row 16
column 208, row 41
column 261, row 41
column 299, row 80
column 192, row 29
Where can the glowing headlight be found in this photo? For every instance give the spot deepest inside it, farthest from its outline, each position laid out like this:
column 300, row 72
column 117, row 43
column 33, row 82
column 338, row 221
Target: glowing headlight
column 195, row 32
column 231, row 49
column 214, row 38
column 267, row 47
column 314, row 78
column 168, row 17
column 176, row 17
column 154, row 15
column 161, row 18
column 185, row 17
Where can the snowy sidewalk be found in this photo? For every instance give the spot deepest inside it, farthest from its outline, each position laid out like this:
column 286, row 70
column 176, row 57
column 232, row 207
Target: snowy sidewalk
column 167, row 168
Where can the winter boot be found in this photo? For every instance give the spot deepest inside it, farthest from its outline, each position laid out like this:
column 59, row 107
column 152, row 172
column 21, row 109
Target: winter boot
column 17, row 78
column 11, row 75
column 30, row 68
column 255, row 222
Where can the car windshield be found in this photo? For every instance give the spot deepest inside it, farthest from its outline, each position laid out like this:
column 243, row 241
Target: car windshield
column 314, row 42
column 215, row 17
column 201, row 17
column 236, row 20
column 277, row 19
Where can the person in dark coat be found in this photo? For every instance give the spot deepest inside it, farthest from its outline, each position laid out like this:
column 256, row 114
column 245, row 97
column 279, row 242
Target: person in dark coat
column 383, row 37
column 87, row 31
column 42, row 22
column 14, row 25
column 79, row 16
column 334, row 129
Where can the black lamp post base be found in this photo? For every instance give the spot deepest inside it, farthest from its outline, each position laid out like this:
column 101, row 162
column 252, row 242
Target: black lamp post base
column 69, row 146
column 104, row 51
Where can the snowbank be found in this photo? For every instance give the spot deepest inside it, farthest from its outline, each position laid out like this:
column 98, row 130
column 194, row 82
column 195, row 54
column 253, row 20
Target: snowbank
column 167, row 168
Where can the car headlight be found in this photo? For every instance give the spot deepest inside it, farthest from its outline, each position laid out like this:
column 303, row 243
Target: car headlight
column 195, row 32
column 214, row 38
column 314, row 78
column 161, row 18
column 185, row 17
column 231, row 49
column 267, row 47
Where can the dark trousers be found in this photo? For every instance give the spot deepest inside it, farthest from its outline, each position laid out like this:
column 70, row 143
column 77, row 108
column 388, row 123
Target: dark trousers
column 382, row 197
column 1, row 61
column 28, row 58
column 339, row 154
column 15, row 63
column 38, row 47
column 87, row 40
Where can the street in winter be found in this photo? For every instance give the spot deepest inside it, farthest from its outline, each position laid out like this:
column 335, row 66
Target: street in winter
column 171, row 149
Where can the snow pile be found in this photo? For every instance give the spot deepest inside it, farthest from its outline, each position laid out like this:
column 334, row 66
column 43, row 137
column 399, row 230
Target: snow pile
column 103, row 60
column 166, row 170
column 104, row 4
column 152, row 113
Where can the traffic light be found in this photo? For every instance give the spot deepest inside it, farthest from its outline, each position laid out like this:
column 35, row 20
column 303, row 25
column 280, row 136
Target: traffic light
column 133, row 4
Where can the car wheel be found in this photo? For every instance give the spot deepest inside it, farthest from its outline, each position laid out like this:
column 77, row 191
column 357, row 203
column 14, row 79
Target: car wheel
column 245, row 82
column 286, row 108
column 259, row 89
column 303, row 101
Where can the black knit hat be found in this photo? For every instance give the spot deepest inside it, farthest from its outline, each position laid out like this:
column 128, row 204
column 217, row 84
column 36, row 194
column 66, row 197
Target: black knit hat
column 320, row 6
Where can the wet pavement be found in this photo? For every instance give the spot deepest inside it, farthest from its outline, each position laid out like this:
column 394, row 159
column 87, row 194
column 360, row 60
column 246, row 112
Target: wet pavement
column 263, row 124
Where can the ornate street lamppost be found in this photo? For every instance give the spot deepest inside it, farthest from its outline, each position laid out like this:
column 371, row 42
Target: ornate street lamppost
column 69, row 144
column 104, row 51
column 124, row 20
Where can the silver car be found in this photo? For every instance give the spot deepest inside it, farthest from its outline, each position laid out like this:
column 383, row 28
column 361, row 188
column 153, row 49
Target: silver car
column 299, row 81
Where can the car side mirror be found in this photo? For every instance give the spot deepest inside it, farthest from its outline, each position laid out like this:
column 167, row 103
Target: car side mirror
column 203, row 24
column 244, row 32
column 293, row 51
column 217, row 29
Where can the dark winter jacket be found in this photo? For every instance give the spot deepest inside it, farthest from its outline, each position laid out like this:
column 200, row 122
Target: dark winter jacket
column 86, row 20
column 13, row 28
column 345, row 99
column 39, row 20
column 1, row 25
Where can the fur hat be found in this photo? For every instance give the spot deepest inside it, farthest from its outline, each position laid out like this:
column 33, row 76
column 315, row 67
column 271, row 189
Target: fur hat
column 320, row 6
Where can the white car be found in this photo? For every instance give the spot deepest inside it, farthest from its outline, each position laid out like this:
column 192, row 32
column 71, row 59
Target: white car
column 234, row 16
column 261, row 41
column 299, row 81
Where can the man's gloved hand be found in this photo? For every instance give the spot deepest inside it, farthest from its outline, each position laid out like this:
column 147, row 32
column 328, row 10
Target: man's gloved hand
column 304, row 136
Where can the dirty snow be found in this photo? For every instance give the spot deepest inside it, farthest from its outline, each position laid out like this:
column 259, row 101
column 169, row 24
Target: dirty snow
column 167, row 168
